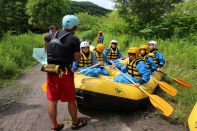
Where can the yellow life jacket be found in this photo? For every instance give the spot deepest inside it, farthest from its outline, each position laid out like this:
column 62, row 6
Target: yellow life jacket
column 99, row 55
column 146, row 59
column 112, row 55
column 153, row 54
column 132, row 68
column 85, row 61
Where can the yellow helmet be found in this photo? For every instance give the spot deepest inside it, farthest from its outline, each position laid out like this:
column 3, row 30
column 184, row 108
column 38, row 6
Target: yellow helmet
column 146, row 47
column 134, row 50
column 100, row 47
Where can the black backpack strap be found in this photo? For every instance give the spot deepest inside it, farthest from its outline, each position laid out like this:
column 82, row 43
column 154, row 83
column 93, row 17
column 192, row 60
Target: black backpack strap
column 67, row 33
column 55, row 35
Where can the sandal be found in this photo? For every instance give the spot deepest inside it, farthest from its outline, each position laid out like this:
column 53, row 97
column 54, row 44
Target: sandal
column 59, row 128
column 80, row 123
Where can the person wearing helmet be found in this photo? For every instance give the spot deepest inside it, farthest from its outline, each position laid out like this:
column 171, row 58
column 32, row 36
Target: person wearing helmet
column 100, row 37
column 98, row 52
column 112, row 53
column 157, row 56
column 87, row 59
column 136, row 69
column 144, row 53
column 62, row 49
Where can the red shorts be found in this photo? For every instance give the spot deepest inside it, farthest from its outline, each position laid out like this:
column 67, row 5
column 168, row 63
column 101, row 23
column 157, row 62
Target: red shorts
column 60, row 88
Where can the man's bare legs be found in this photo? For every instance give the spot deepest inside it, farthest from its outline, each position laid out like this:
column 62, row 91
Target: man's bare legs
column 52, row 111
column 72, row 108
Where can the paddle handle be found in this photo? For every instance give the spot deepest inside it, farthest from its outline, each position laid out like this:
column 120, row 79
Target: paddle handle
column 154, row 79
column 162, row 73
column 89, row 68
column 166, row 74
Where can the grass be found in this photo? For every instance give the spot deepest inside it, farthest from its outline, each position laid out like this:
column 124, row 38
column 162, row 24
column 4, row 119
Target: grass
column 86, row 35
column 181, row 63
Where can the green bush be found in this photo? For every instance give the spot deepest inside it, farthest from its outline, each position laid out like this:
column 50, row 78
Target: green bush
column 16, row 53
column 8, row 68
column 87, row 21
column 114, row 24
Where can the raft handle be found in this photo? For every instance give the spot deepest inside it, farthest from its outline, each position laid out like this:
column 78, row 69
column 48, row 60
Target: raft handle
column 80, row 97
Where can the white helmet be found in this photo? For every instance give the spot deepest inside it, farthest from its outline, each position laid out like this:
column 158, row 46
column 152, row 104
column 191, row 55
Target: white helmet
column 92, row 47
column 153, row 42
column 113, row 41
column 84, row 44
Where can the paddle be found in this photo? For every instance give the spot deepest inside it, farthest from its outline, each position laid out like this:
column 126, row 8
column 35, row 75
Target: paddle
column 44, row 87
column 156, row 101
column 89, row 68
column 179, row 81
column 166, row 87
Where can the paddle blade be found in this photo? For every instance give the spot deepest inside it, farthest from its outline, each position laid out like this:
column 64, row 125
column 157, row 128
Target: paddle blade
column 161, row 104
column 44, row 87
column 168, row 88
column 183, row 83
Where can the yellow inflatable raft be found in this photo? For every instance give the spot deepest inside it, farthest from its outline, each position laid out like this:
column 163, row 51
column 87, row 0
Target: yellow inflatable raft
column 192, row 120
column 102, row 92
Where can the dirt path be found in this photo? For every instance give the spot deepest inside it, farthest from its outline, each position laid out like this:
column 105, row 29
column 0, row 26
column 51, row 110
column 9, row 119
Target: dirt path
column 29, row 112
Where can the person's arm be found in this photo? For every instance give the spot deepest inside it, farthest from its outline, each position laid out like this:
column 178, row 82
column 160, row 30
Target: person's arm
column 77, row 56
column 93, row 59
column 105, row 59
column 98, row 39
column 153, row 66
column 119, row 54
column 46, row 41
column 76, row 53
column 76, row 49
column 118, row 64
column 105, row 53
column 75, row 66
column 144, row 72
column 160, row 58
column 101, row 39
column 45, row 47
column 124, row 69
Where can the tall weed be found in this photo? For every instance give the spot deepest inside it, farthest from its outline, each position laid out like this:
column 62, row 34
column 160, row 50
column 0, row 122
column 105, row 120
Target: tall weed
column 16, row 53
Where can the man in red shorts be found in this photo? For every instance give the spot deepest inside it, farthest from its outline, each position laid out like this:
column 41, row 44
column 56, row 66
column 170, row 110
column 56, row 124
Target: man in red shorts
column 63, row 47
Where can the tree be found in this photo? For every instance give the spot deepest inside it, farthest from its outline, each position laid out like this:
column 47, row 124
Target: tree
column 188, row 7
column 46, row 12
column 85, row 6
column 87, row 21
column 181, row 22
column 13, row 16
column 140, row 13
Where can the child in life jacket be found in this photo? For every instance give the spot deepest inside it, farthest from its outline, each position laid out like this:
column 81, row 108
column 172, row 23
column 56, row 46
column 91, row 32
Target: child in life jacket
column 87, row 60
column 136, row 69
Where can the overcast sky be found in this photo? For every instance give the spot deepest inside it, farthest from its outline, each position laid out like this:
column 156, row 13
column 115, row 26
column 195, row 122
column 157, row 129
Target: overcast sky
column 103, row 3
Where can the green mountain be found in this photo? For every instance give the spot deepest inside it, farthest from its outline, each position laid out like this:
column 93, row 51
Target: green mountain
column 91, row 8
